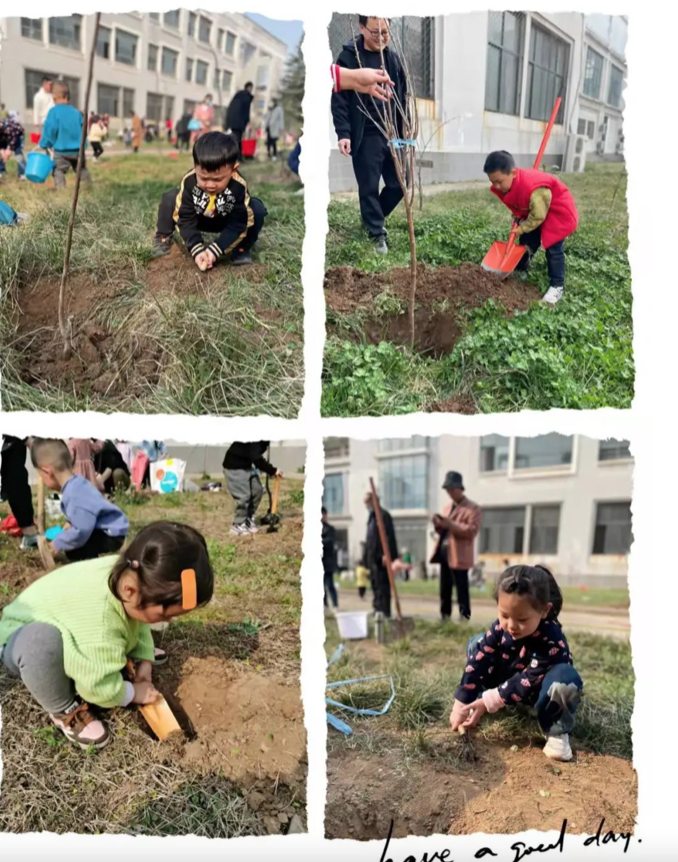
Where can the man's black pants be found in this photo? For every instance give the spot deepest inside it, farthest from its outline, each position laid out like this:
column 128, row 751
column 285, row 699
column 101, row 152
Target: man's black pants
column 166, row 223
column 98, row 543
column 14, row 483
column 381, row 590
column 371, row 162
column 450, row 578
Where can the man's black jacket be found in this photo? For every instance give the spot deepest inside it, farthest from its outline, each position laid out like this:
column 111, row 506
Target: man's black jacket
column 348, row 116
column 238, row 113
column 373, row 549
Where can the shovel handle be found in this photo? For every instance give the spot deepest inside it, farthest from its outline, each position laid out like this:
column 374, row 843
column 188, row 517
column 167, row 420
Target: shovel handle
column 276, row 490
column 547, row 133
column 386, row 551
column 509, row 245
column 41, row 506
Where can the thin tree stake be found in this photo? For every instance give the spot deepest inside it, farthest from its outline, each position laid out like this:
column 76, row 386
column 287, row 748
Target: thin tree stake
column 65, row 326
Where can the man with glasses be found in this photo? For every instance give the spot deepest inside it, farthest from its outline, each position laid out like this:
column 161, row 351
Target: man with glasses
column 359, row 120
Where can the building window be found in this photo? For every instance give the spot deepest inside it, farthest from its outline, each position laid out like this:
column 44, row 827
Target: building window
column 547, row 74
column 614, row 450
column 397, row 444
column 502, row 531
column 548, row 450
column 230, row 43
column 154, row 107
column 171, row 19
column 154, row 16
column 33, row 81
column 217, row 78
column 220, row 39
column 506, row 35
column 614, row 91
column 127, row 102
column 494, row 453
column 169, row 107
column 104, row 43
column 170, row 60
column 591, row 130
column 31, row 28
column 593, row 74
column 544, row 530
column 226, row 79
column 581, row 127
column 335, row 447
column 262, row 77
column 413, row 537
column 333, row 493
column 152, row 64
column 66, row 32
column 403, row 482
column 189, row 69
column 192, row 19
column 201, row 69
column 126, row 48
column 204, row 29
column 189, row 106
column 108, row 100
column 613, row 533
column 246, row 52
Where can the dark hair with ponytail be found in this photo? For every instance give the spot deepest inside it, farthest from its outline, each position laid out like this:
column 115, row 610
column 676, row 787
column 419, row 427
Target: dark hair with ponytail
column 536, row 583
column 158, row 555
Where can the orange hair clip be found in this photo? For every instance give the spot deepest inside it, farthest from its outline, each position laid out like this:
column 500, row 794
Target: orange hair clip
column 189, row 590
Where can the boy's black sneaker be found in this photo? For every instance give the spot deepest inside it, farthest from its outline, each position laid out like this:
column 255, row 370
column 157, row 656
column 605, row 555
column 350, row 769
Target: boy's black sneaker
column 161, row 245
column 241, row 257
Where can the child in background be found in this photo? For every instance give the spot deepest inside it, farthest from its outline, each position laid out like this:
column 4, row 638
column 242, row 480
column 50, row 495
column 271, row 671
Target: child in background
column 362, row 579
column 69, row 635
column 523, row 658
column 82, row 454
column 543, row 209
column 212, row 198
column 241, row 464
column 12, row 143
column 95, row 526
column 61, row 133
column 96, row 133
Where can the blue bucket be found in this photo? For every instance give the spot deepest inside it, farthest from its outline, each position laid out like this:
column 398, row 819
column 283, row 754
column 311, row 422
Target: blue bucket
column 39, row 167
column 53, row 532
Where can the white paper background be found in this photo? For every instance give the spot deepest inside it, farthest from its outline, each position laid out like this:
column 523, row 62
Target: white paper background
column 650, row 145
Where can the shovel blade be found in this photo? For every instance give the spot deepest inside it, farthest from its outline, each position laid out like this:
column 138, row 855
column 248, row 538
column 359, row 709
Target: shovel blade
column 497, row 259
column 160, row 718
column 401, row 628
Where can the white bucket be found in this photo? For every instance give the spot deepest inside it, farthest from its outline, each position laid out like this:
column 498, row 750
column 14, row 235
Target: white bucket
column 352, row 626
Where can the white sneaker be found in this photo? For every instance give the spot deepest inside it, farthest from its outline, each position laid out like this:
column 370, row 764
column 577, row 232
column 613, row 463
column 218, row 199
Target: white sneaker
column 552, row 295
column 558, row 747
column 239, row 529
column 251, row 526
column 29, row 542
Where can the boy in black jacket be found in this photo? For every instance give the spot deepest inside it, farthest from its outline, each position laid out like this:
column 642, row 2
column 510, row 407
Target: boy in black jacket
column 213, row 198
column 360, row 136
column 241, row 467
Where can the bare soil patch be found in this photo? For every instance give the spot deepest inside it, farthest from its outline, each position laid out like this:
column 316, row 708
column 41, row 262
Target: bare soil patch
column 444, row 294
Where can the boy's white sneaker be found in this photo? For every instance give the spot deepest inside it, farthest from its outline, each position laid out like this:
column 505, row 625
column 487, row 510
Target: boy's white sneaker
column 29, row 542
column 558, row 747
column 251, row 526
column 239, row 530
column 552, row 295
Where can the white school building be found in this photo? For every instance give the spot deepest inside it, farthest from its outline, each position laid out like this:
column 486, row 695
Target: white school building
column 561, row 500
column 488, row 81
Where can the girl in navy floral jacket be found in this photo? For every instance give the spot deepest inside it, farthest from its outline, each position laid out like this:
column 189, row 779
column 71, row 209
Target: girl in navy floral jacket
column 523, row 658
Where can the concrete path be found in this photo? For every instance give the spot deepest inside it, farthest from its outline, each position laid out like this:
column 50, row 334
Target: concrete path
column 610, row 622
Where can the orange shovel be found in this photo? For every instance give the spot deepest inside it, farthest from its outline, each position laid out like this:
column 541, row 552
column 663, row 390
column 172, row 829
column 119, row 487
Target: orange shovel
column 158, row 715
column 504, row 257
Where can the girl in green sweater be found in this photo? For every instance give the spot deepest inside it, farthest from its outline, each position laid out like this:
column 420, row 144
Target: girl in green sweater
column 69, row 635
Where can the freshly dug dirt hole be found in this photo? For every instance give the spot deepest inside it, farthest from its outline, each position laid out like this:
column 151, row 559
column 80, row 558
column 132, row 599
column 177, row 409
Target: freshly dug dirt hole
column 502, row 792
column 443, row 294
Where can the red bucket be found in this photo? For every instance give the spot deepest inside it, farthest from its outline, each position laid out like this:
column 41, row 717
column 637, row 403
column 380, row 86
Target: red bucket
column 248, row 147
column 35, row 137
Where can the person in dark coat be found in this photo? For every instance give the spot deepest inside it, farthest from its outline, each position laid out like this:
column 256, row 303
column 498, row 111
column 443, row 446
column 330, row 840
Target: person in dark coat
column 242, row 464
column 183, row 133
column 16, row 489
column 111, row 469
column 238, row 113
column 361, row 136
column 330, row 565
column 375, row 559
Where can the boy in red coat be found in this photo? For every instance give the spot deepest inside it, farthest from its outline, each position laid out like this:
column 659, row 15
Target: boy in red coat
column 543, row 208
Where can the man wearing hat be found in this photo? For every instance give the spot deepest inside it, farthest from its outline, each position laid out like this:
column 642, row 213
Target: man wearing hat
column 457, row 529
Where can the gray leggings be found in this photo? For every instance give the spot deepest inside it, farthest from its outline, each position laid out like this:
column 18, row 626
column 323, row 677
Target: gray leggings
column 35, row 654
column 246, row 489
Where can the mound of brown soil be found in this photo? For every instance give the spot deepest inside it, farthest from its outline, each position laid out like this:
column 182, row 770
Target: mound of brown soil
column 443, row 294
column 177, row 272
column 502, row 792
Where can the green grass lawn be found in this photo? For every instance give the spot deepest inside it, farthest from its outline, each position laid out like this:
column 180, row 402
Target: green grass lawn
column 226, row 343
column 578, row 355
column 137, row 785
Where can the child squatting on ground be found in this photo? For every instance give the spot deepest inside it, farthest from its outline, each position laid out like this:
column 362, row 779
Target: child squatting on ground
column 94, row 526
column 544, row 211
column 68, row 636
column 61, row 133
column 212, row 198
column 242, row 464
column 523, row 659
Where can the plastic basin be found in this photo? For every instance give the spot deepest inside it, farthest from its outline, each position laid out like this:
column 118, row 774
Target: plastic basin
column 352, row 625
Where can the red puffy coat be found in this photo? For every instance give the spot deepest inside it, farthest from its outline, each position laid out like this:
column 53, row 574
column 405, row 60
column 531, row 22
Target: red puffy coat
column 562, row 218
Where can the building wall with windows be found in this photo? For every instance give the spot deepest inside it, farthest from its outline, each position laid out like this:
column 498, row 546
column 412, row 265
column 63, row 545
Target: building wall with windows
column 155, row 64
column 564, row 501
column 492, row 79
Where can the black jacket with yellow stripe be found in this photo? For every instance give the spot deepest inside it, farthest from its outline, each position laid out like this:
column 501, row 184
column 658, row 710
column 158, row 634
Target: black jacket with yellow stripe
column 230, row 210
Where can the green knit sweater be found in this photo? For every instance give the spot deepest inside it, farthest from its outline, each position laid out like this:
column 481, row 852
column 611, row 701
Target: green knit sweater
column 97, row 633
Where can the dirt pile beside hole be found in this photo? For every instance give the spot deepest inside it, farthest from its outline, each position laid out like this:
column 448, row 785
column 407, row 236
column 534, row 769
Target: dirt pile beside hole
column 443, row 294
column 103, row 361
column 178, row 273
column 246, row 725
column 497, row 794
